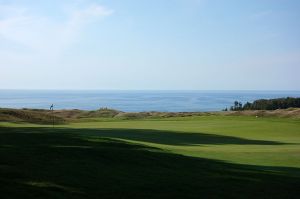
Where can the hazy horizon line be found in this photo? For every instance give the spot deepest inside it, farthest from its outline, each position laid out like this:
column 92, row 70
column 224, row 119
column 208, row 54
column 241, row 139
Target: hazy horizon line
column 72, row 89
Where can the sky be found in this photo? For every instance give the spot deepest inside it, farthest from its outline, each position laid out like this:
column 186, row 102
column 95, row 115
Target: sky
column 150, row 45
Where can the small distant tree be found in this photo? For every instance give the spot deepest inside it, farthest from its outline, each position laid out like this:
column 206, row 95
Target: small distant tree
column 236, row 105
column 240, row 106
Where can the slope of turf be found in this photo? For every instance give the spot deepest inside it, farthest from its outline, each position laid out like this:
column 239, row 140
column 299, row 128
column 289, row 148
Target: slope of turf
column 202, row 137
column 209, row 157
column 44, row 162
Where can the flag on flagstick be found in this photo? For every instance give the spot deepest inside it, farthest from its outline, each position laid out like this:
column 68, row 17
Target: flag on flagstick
column 51, row 109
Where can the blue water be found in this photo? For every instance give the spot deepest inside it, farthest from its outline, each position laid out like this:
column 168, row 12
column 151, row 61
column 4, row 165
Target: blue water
column 134, row 100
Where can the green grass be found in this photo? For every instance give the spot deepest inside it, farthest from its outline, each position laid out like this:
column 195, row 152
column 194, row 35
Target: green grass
column 189, row 157
column 284, row 133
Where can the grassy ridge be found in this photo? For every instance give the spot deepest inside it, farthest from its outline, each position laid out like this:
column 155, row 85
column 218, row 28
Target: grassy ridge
column 41, row 116
column 29, row 115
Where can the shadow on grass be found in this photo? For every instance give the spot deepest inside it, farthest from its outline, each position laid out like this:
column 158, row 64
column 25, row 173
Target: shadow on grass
column 153, row 136
column 61, row 163
column 174, row 138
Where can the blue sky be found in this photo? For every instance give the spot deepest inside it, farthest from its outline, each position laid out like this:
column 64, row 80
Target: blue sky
column 157, row 44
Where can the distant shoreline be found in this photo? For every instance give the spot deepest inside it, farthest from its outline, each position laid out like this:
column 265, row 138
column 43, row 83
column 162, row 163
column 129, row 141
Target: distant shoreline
column 135, row 101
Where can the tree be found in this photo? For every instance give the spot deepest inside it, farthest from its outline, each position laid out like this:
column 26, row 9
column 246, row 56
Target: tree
column 236, row 105
column 240, row 106
column 271, row 104
column 247, row 106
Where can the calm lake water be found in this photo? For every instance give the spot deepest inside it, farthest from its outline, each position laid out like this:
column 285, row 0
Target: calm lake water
column 134, row 100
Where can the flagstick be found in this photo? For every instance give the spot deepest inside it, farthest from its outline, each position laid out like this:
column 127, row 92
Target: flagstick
column 53, row 116
column 52, row 109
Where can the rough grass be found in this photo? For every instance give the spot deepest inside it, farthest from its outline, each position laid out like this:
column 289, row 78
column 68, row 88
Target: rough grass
column 29, row 115
column 78, row 114
column 41, row 116
column 285, row 113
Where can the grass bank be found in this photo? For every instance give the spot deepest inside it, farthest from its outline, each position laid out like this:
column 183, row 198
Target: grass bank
column 213, row 156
